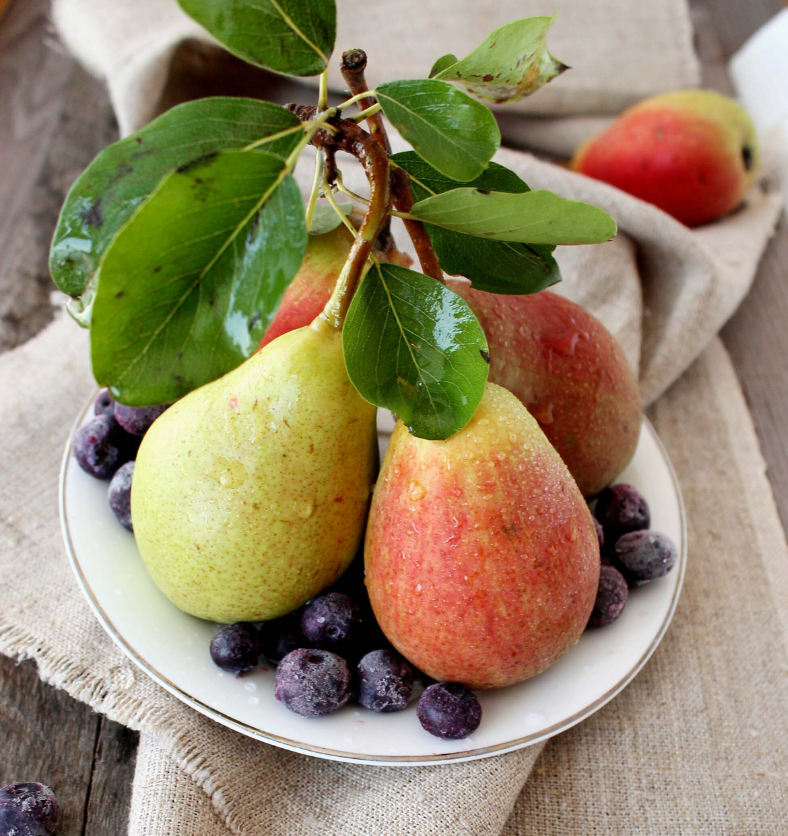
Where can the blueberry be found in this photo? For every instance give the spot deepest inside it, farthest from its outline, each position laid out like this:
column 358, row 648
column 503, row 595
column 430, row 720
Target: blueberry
column 312, row 682
column 100, row 447
column 644, row 556
column 331, row 619
column 385, row 681
column 611, row 597
column 449, row 711
column 119, row 494
column 137, row 419
column 621, row 509
column 29, row 809
column 236, row 647
column 103, row 405
column 280, row 636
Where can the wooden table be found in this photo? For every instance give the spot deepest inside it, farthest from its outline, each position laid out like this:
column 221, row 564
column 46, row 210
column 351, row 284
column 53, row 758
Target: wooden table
column 53, row 119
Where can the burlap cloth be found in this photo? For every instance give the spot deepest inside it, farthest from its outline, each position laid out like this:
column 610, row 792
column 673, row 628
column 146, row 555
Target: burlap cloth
column 698, row 744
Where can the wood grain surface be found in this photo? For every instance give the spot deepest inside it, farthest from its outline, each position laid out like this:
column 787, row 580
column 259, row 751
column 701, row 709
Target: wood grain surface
column 53, row 119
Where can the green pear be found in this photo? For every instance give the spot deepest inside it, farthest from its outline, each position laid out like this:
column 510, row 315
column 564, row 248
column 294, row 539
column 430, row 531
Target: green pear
column 250, row 494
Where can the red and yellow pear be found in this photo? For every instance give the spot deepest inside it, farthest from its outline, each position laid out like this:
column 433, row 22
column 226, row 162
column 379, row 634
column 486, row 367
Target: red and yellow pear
column 482, row 561
column 692, row 153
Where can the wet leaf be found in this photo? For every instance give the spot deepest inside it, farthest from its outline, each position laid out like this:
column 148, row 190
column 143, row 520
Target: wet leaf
column 189, row 286
column 124, row 174
column 416, row 348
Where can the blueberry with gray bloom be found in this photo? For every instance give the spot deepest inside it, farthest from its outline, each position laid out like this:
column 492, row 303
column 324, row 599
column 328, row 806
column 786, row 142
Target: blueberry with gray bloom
column 331, row 619
column 103, row 405
column 611, row 597
column 385, row 681
column 137, row 419
column 119, row 494
column 312, row 682
column 621, row 509
column 99, row 447
column 236, row 648
column 644, row 556
column 28, row 809
column 449, row 711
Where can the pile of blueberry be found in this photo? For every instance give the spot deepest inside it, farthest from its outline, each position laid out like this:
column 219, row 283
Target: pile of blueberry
column 28, row 809
column 332, row 651
column 632, row 554
column 107, row 445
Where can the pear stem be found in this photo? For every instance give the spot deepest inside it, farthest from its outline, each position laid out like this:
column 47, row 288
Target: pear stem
column 353, row 65
column 354, row 140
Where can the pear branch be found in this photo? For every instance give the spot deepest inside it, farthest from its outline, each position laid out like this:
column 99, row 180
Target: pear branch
column 353, row 64
column 354, row 140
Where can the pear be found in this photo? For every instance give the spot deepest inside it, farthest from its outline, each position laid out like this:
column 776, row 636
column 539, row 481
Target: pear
column 557, row 358
column 570, row 373
column 482, row 560
column 312, row 285
column 692, row 153
column 250, row 494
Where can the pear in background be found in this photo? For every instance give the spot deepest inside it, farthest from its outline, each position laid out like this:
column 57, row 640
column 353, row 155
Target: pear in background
column 250, row 494
column 692, row 153
column 482, row 561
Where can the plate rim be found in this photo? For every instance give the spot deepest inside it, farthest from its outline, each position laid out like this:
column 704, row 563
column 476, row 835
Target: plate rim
column 334, row 754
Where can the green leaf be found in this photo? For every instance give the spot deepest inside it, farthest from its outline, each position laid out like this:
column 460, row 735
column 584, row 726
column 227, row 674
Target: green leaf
column 493, row 266
column 124, row 174
column 441, row 64
column 415, row 347
column 325, row 218
column 293, row 37
column 537, row 217
column 189, row 286
column 425, row 178
column 511, row 63
column 445, row 126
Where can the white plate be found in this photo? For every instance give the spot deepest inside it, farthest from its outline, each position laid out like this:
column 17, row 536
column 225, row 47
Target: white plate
column 172, row 647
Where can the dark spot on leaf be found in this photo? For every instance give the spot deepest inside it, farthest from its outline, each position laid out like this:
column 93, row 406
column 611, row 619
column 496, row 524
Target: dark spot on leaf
column 485, row 355
column 194, row 163
column 119, row 294
column 746, row 157
column 139, row 140
column 157, row 268
column 488, row 77
column 253, row 321
column 198, row 181
column 483, row 191
column 253, row 228
column 93, row 216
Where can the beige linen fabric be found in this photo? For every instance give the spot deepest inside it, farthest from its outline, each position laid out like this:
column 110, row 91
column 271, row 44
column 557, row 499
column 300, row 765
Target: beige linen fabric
column 131, row 44
column 693, row 745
